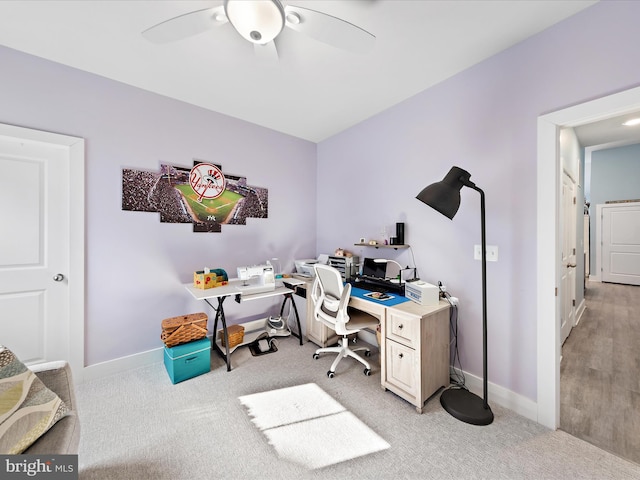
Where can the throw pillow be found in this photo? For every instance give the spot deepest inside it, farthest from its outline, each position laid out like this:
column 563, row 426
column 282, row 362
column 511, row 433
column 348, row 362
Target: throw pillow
column 27, row 407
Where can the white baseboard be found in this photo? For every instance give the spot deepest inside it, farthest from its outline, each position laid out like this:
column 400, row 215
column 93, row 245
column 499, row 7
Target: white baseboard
column 142, row 359
column 502, row 396
column 122, row 364
column 497, row 394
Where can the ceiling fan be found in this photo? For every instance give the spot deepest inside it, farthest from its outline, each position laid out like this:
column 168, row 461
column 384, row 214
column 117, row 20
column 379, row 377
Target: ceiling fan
column 260, row 22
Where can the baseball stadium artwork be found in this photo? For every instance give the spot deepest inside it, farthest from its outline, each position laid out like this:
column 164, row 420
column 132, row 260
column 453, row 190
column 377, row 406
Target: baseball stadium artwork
column 202, row 195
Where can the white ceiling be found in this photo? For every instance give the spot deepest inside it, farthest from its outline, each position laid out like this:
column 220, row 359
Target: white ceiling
column 315, row 90
column 609, row 132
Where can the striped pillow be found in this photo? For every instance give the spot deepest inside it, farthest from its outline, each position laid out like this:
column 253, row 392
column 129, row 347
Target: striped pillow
column 27, row 407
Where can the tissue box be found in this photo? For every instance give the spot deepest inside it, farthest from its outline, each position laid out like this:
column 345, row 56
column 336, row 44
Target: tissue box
column 209, row 279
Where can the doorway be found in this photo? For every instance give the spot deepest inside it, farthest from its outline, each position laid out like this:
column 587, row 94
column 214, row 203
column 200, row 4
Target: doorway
column 42, row 259
column 549, row 249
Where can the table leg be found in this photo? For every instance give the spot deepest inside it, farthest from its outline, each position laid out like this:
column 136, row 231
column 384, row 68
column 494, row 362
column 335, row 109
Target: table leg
column 289, row 296
column 220, row 316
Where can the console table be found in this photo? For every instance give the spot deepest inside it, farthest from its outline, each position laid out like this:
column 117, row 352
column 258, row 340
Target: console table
column 220, row 294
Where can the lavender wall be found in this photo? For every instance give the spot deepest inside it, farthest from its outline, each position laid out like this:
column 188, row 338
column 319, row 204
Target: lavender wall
column 135, row 265
column 483, row 120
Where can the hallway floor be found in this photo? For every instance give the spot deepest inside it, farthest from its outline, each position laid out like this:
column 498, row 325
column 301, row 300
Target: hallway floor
column 600, row 371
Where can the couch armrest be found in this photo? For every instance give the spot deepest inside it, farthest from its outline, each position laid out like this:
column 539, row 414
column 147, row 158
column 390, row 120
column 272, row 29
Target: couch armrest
column 64, row 436
column 57, row 377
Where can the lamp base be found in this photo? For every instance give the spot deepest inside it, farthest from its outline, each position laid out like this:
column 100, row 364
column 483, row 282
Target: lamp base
column 466, row 406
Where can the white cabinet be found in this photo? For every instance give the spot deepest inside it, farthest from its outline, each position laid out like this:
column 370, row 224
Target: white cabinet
column 416, row 351
column 318, row 332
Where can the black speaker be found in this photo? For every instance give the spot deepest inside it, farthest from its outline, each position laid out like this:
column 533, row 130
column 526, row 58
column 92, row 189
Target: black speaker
column 399, row 233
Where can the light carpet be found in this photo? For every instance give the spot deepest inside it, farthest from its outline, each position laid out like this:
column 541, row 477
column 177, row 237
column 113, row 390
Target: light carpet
column 137, row 425
column 305, row 425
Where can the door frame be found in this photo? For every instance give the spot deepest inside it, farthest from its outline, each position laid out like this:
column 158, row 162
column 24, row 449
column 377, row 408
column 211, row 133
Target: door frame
column 74, row 148
column 548, row 246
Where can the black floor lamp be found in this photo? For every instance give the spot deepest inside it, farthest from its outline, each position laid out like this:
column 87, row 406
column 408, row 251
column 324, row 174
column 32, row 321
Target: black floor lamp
column 444, row 196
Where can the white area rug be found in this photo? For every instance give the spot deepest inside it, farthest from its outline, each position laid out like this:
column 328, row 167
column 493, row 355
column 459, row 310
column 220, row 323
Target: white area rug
column 306, row 426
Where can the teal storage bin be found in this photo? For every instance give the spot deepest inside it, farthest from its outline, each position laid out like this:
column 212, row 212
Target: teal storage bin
column 188, row 360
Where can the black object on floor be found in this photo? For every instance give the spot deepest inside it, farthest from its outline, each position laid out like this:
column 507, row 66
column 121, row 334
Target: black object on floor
column 257, row 347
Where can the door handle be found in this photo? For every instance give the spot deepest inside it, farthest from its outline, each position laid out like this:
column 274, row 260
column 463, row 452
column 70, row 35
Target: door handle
column 571, row 265
column 58, row 277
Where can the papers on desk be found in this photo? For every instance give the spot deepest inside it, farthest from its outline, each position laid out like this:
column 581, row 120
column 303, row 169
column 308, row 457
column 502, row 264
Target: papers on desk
column 379, row 296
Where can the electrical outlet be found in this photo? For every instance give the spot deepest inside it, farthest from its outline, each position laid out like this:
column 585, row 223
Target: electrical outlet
column 492, row 253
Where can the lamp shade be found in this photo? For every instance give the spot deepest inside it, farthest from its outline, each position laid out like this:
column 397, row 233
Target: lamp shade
column 259, row 21
column 444, row 196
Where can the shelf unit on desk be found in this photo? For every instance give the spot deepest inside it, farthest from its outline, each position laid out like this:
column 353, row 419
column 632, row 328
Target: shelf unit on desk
column 377, row 245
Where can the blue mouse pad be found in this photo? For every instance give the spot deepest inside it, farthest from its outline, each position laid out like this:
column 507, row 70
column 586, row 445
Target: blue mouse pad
column 394, row 299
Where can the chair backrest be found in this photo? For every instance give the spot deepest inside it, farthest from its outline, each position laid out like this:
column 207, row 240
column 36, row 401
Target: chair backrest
column 331, row 298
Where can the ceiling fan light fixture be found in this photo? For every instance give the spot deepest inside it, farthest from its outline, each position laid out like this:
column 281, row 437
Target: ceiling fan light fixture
column 258, row 21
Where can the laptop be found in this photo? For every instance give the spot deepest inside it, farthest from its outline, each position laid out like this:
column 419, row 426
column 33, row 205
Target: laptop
column 372, row 269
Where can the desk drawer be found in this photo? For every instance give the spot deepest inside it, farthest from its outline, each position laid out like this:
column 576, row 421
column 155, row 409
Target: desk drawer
column 402, row 328
column 402, row 370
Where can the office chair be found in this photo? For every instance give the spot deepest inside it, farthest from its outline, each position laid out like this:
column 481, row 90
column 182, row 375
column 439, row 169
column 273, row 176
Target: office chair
column 331, row 298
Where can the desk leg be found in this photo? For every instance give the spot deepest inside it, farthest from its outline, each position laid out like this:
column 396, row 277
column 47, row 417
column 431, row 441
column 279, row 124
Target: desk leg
column 289, row 296
column 220, row 316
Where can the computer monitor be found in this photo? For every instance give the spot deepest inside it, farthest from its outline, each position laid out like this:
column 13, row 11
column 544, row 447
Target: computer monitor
column 370, row 268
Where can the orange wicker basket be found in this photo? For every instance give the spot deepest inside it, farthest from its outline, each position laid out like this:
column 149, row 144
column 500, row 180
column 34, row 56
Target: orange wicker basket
column 236, row 335
column 183, row 329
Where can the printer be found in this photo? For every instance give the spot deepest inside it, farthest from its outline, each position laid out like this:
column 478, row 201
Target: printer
column 422, row 293
column 305, row 266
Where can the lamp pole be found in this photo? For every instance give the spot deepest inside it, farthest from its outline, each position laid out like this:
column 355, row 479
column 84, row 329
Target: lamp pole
column 483, row 239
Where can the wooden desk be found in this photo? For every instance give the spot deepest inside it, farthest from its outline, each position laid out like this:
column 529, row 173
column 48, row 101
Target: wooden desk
column 414, row 346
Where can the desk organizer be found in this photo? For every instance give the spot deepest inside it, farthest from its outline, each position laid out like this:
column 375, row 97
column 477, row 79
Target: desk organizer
column 236, row 335
column 188, row 360
column 183, row 329
column 210, row 278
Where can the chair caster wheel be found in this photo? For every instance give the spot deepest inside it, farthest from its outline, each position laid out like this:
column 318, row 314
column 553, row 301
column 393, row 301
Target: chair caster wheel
column 331, row 374
column 367, row 372
column 367, row 353
column 316, row 356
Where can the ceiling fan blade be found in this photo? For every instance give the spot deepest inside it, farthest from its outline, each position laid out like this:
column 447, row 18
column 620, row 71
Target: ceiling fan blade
column 267, row 53
column 186, row 25
column 328, row 29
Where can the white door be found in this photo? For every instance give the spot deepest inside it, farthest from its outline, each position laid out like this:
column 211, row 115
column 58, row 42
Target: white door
column 568, row 272
column 621, row 243
column 36, row 311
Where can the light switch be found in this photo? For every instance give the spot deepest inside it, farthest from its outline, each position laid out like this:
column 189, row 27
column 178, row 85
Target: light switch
column 492, row 253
